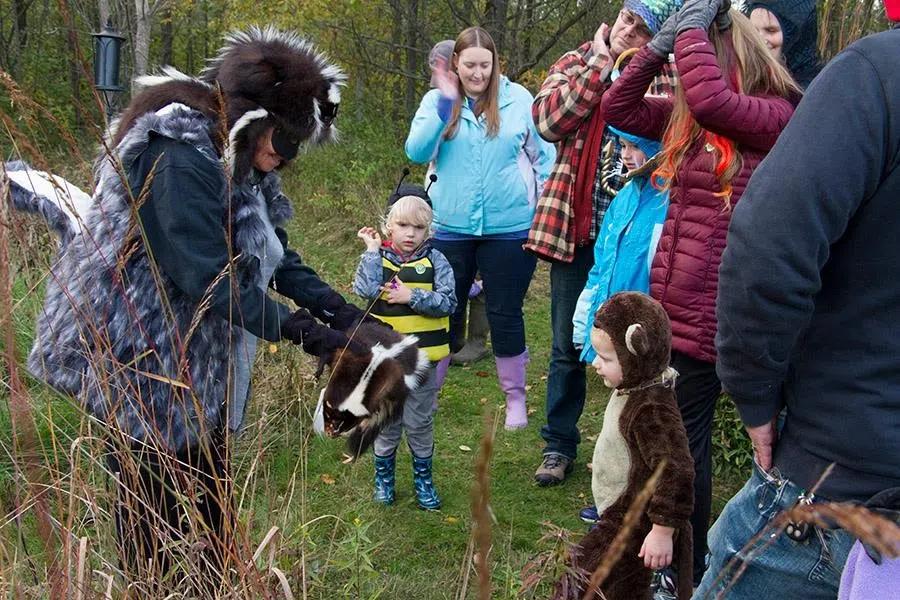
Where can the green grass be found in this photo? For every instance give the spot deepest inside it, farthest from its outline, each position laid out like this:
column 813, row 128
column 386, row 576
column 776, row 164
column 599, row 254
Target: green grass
column 333, row 541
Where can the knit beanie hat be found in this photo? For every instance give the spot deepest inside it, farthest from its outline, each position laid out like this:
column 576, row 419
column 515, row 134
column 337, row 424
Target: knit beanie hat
column 653, row 12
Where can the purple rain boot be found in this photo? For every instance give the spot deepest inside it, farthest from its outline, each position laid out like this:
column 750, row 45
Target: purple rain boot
column 511, row 373
column 440, row 373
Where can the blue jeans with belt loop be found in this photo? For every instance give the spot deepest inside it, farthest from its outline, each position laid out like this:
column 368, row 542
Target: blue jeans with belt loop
column 774, row 566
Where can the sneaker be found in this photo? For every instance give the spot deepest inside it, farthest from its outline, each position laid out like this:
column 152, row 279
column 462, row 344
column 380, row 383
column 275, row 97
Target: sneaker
column 589, row 514
column 553, row 469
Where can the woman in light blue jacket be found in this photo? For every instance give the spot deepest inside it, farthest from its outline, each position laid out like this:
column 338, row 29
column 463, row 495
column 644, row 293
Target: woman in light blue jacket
column 476, row 127
column 626, row 242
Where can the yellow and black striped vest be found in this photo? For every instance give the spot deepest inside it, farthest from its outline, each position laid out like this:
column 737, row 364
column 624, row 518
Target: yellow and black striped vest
column 433, row 332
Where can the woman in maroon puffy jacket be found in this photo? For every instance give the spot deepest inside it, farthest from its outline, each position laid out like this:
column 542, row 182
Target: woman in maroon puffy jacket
column 733, row 101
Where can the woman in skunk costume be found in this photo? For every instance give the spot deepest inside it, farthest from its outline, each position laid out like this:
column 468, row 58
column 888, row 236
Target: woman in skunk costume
column 154, row 306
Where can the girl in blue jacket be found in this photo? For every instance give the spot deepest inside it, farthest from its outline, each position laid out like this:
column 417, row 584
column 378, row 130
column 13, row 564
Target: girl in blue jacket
column 627, row 240
column 476, row 127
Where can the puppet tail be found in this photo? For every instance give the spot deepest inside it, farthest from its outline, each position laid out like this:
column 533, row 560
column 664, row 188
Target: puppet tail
column 58, row 201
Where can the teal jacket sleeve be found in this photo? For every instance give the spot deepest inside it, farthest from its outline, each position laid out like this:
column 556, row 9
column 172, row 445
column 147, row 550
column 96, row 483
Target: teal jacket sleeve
column 426, row 130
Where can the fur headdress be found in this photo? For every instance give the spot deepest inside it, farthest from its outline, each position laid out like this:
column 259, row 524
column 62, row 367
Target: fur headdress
column 266, row 78
column 365, row 392
column 641, row 334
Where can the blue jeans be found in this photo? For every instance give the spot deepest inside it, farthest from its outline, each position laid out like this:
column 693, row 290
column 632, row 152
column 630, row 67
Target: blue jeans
column 506, row 270
column 565, row 380
column 784, row 568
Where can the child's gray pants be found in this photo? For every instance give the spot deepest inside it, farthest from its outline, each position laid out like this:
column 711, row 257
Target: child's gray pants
column 417, row 419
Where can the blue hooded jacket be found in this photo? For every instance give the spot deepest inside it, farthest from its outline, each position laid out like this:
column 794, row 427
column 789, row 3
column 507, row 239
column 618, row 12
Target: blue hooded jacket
column 624, row 248
column 485, row 186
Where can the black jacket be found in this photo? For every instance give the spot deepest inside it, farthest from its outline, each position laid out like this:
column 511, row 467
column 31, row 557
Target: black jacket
column 184, row 222
column 809, row 285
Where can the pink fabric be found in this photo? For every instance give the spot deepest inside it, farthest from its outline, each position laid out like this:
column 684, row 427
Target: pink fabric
column 684, row 276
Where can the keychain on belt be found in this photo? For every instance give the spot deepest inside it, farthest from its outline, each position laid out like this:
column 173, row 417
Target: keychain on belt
column 799, row 531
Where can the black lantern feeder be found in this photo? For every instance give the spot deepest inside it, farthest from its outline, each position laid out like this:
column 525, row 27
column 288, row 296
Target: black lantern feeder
column 107, row 48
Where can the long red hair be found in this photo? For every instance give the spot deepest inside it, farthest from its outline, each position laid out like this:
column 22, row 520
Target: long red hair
column 749, row 68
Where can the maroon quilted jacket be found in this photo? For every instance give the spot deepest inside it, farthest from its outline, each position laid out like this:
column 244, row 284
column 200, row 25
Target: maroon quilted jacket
column 685, row 271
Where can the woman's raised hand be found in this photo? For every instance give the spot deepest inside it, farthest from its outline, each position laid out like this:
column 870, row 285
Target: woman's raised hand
column 445, row 80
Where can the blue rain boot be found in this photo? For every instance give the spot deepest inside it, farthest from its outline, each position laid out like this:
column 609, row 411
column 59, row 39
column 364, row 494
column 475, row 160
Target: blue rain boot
column 426, row 495
column 384, row 479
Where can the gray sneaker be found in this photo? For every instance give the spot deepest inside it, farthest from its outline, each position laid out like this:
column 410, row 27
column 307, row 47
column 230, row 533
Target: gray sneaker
column 553, row 469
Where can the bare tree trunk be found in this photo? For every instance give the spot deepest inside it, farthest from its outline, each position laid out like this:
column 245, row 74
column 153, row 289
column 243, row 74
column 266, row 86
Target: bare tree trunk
column 397, row 34
column 20, row 9
column 103, row 10
column 142, row 23
column 412, row 57
column 74, row 83
column 167, row 37
column 190, row 42
column 495, row 23
column 528, row 28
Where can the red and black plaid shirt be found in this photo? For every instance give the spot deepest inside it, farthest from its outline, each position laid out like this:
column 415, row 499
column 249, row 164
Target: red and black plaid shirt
column 562, row 112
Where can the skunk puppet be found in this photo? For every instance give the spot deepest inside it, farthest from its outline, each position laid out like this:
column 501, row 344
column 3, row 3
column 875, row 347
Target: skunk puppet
column 366, row 392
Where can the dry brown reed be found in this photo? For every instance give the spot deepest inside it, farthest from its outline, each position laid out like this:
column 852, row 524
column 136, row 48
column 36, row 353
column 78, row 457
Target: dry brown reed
column 482, row 531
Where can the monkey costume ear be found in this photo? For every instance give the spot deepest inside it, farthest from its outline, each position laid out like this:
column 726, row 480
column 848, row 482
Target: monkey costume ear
column 636, row 339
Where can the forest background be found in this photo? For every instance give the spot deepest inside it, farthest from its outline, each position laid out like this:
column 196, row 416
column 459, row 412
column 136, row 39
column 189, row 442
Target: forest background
column 310, row 529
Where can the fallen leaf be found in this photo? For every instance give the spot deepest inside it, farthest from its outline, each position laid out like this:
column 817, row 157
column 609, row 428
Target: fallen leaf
column 465, row 448
column 482, row 373
column 451, row 520
column 347, row 459
column 273, row 348
column 531, row 411
column 527, row 388
column 483, row 400
column 543, row 378
column 327, row 479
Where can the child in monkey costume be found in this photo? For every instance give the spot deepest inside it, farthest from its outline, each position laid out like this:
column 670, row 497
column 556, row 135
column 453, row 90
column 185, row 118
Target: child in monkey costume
column 641, row 427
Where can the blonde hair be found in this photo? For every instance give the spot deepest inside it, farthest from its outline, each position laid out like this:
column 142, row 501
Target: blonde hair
column 749, row 68
column 488, row 104
column 412, row 209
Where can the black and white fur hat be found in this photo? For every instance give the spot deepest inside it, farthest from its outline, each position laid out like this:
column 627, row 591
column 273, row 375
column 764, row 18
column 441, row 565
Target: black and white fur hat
column 266, row 78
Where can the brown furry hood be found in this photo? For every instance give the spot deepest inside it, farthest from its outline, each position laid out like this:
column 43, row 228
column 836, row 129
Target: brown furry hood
column 641, row 334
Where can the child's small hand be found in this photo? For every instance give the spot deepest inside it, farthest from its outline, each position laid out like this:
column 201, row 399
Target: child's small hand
column 657, row 547
column 396, row 293
column 371, row 238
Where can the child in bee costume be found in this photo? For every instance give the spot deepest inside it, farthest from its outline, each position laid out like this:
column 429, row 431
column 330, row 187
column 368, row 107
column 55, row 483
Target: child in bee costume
column 412, row 289
column 642, row 427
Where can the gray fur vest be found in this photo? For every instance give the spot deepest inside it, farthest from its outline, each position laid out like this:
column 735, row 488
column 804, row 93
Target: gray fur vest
column 116, row 332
